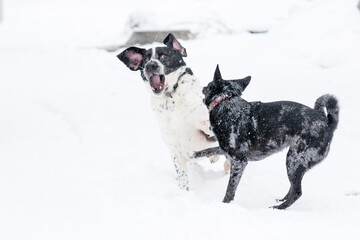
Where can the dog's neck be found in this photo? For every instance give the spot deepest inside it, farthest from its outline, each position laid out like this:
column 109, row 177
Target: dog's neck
column 218, row 100
column 187, row 71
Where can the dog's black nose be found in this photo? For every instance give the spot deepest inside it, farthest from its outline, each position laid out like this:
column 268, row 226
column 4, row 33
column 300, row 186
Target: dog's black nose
column 151, row 66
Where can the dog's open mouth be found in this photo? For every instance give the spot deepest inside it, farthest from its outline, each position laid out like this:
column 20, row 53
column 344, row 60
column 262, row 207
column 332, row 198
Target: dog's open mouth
column 157, row 82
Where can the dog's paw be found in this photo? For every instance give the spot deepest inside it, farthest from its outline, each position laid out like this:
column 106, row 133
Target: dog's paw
column 205, row 124
column 183, row 185
column 191, row 154
column 228, row 199
column 206, row 128
column 278, row 207
column 214, row 159
column 227, row 166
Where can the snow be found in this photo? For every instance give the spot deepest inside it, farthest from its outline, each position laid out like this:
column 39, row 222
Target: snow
column 81, row 155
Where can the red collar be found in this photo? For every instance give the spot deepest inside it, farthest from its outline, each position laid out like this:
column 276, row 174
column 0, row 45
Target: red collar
column 217, row 100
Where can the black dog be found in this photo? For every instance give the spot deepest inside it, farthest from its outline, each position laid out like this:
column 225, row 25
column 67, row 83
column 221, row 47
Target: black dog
column 251, row 131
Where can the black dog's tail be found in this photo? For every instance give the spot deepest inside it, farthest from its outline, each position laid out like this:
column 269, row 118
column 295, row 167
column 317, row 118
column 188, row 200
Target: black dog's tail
column 332, row 108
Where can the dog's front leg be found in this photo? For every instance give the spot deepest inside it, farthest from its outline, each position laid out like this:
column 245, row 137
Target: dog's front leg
column 181, row 171
column 209, row 152
column 236, row 169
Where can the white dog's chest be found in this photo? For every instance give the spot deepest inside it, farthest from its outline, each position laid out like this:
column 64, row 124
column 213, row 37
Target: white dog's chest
column 167, row 107
column 173, row 114
column 180, row 116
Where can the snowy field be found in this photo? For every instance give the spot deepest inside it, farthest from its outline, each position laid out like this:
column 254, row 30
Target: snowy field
column 80, row 151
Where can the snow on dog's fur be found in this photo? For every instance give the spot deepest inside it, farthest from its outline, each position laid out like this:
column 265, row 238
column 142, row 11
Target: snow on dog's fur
column 176, row 99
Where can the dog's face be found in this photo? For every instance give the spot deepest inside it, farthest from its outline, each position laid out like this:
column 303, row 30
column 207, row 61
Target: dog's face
column 158, row 66
column 219, row 87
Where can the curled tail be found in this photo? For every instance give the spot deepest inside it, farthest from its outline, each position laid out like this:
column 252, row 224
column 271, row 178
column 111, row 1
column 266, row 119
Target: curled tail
column 332, row 108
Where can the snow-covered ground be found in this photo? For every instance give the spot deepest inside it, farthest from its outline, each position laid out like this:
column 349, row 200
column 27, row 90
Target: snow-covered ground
column 80, row 151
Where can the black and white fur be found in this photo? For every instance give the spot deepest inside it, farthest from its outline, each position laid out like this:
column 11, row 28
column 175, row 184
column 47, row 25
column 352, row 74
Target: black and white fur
column 251, row 131
column 176, row 99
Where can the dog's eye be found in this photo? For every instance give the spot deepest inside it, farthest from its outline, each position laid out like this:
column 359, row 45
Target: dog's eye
column 163, row 57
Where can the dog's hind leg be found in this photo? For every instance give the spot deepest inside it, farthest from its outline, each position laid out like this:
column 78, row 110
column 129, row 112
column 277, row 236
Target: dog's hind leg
column 236, row 169
column 181, row 171
column 295, row 190
column 298, row 161
column 295, row 170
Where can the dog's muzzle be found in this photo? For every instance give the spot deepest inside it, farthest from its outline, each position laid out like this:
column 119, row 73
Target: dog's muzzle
column 156, row 80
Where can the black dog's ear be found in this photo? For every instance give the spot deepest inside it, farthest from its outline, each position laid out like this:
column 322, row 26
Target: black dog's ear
column 132, row 57
column 171, row 42
column 243, row 82
column 217, row 74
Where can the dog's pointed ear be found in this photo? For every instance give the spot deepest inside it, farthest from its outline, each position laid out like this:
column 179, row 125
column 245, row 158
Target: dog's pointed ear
column 132, row 57
column 217, row 74
column 243, row 82
column 172, row 42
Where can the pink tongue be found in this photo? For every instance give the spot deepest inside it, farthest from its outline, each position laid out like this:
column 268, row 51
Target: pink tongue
column 155, row 80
